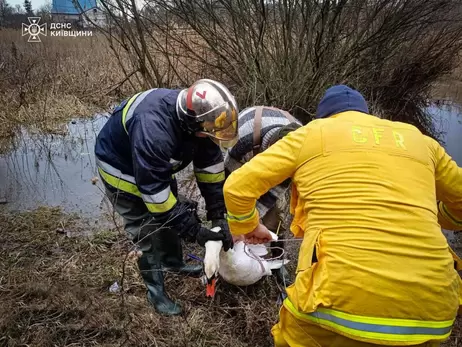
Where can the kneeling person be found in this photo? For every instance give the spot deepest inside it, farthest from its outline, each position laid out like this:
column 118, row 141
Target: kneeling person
column 259, row 128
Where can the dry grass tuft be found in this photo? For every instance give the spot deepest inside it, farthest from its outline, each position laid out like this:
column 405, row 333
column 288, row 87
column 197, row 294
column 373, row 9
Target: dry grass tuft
column 53, row 81
column 54, row 291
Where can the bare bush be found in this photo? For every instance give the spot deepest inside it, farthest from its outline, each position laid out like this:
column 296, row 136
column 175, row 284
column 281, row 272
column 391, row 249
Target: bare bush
column 285, row 53
column 55, row 80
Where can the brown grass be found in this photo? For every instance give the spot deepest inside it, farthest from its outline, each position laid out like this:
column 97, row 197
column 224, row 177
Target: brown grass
column 46, row 83
column 450, row 88
column 54, row 291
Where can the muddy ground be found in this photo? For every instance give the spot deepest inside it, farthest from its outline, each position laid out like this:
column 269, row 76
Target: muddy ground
column 55, row 292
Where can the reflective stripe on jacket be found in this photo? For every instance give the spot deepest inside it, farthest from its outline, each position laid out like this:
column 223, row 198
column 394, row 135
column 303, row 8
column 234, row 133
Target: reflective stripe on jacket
column 375, row 328
column 143, row 145
column 366, row 198
column 155, row 203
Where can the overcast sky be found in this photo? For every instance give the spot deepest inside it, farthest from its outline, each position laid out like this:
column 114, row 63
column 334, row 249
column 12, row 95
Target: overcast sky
column 35, row 3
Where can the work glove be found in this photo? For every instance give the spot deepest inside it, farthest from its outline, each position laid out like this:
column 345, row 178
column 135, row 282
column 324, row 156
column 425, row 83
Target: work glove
column 190, row 223
column 191, row 207
column 224, row 229
column 205, row 235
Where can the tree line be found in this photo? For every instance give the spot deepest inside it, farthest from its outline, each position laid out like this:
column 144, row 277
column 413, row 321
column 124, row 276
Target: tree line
column 14, row 16
column 285, row 53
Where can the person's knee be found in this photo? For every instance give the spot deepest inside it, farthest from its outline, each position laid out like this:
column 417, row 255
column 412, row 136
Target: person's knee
column 141, row 237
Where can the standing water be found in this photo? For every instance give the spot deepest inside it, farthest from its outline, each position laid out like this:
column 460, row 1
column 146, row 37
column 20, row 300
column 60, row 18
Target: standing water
column 57, row 170
column 54, row 170
column 448, row 118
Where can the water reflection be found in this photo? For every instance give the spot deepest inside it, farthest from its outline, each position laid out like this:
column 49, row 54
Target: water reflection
column 54, row 170
column 448, row 119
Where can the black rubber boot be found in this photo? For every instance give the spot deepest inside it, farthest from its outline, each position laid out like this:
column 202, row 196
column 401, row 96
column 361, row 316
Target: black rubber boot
column 151, row 272
column 186, row 269
column 172, row 254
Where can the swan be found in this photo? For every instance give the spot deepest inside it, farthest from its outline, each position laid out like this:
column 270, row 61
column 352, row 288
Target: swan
column 241, row 265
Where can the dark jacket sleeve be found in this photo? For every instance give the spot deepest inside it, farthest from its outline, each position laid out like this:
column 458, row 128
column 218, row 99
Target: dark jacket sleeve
column 210, row 176
column 151, row 151
column 152, row 145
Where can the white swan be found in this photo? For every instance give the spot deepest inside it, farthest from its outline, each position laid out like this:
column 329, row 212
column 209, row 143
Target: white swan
column 242, row 265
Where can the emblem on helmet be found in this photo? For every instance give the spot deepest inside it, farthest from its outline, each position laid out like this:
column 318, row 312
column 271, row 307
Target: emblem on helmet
column 210, row 108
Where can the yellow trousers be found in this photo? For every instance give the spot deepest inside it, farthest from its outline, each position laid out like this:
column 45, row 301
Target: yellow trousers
column 292, row 332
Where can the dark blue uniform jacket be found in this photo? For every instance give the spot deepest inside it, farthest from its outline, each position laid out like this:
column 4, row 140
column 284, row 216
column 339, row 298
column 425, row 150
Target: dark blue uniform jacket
column 144, row 143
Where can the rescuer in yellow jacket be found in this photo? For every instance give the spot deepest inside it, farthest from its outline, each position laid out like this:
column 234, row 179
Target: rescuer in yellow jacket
column 365, row 201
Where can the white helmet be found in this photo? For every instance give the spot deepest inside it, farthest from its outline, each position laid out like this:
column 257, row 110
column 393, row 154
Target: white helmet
column 209, row 108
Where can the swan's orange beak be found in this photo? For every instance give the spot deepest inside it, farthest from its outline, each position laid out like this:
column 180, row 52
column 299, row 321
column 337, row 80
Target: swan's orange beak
column 210, row 289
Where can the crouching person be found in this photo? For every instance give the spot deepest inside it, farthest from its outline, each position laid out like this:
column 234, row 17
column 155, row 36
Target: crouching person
column 365, row 203
column 259, row 128
column 149, row 138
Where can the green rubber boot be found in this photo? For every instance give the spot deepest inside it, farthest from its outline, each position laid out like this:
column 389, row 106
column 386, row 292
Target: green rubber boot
column 172, row 254
column 188, row 270
column 151, row 272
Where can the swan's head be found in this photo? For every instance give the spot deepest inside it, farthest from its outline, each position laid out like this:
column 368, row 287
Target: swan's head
column 211, row 266
column 212, row 263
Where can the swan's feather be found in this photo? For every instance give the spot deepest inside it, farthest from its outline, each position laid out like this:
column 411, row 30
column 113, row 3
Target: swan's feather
column 236, row 266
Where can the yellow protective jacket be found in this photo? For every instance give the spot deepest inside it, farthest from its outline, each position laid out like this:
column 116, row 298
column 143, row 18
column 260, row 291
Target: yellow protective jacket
column 366, row 198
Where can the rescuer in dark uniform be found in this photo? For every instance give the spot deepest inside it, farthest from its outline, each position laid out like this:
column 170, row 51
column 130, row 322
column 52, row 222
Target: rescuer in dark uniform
column 150, row 137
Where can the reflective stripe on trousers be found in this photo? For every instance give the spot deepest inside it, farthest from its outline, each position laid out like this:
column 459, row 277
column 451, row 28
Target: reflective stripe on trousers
column 374, row 328
column 156, row 203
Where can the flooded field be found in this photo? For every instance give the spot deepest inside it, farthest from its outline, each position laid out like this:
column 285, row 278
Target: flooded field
column 448, row 119
column 57, row 170
column 54, row 170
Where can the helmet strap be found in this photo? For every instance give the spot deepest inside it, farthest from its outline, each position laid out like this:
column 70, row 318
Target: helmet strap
column 186, row 123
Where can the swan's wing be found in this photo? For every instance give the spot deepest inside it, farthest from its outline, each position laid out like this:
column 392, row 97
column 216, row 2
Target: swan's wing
column 238, row 268
column 259, row 250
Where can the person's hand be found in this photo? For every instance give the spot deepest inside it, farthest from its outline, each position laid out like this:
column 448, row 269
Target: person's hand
column 224, row 229
column 260, row 234
column 238, row 238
